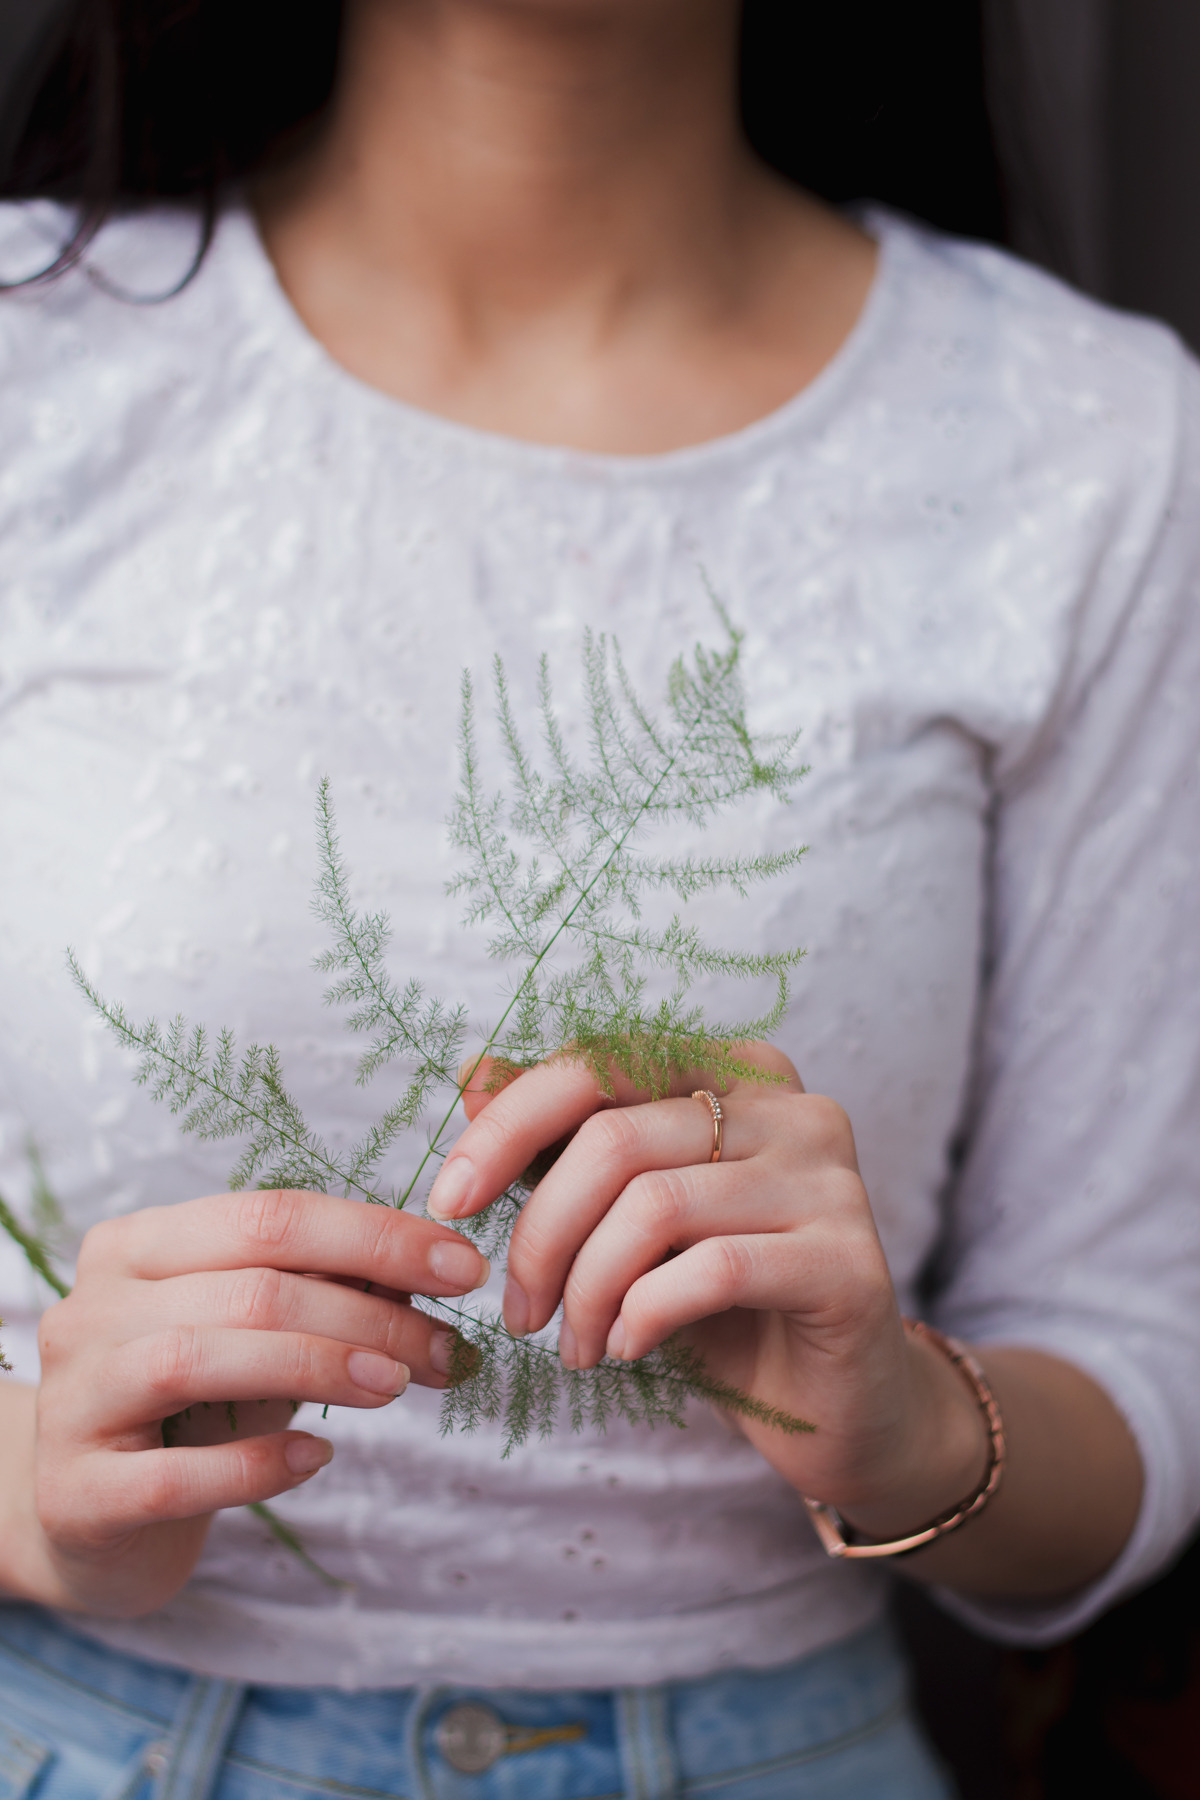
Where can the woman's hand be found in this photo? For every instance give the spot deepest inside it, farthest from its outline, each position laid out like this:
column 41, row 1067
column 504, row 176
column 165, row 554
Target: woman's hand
column 769, row 1261
column 196, row 1306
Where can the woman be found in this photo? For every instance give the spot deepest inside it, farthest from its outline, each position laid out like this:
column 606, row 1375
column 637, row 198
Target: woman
column 516, row 336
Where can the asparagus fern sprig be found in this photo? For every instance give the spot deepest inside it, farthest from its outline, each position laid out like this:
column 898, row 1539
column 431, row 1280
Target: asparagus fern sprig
column 559, row 865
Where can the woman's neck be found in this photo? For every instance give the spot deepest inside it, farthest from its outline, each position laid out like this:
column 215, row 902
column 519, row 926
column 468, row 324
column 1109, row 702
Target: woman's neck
column 538, row 216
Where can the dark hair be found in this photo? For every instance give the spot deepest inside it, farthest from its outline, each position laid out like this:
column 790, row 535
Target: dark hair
column 111, row 102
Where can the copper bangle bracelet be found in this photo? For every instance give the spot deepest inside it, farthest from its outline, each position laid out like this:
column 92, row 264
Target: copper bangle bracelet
column 833, row 1531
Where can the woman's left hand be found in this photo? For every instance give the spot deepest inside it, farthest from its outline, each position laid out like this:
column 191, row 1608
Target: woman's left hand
column 768, row 1261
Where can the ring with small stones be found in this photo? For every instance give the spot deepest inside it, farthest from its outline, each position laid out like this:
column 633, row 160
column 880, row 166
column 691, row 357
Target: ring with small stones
column 718, row 1119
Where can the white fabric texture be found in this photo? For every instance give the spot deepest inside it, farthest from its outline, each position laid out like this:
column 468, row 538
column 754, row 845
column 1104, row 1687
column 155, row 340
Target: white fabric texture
column 966, row 559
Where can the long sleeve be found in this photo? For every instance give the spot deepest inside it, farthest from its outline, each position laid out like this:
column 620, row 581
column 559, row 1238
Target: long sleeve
column 1074, row 1219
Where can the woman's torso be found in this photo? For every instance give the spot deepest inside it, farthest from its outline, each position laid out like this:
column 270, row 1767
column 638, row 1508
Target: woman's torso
column 231, row 570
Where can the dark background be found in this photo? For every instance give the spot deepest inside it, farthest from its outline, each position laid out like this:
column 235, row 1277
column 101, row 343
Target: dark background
column 1070, row 131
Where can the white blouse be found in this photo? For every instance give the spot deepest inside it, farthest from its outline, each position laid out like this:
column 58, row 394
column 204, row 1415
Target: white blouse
column 967, row 561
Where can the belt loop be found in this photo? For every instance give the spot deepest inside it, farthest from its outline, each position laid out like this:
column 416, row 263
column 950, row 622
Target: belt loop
column 423, row 1700
column 646, row 1744
column 198, row 1743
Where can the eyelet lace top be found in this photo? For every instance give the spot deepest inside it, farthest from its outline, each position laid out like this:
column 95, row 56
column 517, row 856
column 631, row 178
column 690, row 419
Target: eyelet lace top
column 966, row 560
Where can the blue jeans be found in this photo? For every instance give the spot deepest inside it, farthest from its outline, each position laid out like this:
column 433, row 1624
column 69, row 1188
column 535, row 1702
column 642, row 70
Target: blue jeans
column 79, row 1722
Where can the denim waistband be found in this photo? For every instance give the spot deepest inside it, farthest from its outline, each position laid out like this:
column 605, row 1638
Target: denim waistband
column 81, row 1722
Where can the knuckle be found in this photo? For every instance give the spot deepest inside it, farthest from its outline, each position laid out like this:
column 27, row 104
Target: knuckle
column 725, row 1264
column 105, row 1243
column 661, row 1197
column 304, row 1363
column 836, row 1284
column 257, row 1301
column 158, row 1487
column 53, row 1334
column 612, row 1135
column 395, row 1337
column 856, row 1283
column 169, row 1361
column 773, row 1060
column 581, row 1292
column 873, row 1281
column 827, row 1128
column 266, row 1217
column 536, row 1246
column 728, row 1264
column 847, row 1198
column 495, row 1129
column 383, row 1237
column 250, row 1462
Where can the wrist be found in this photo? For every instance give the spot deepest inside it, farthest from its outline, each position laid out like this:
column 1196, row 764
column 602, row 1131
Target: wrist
column 36, row 1565
column 942, row 1453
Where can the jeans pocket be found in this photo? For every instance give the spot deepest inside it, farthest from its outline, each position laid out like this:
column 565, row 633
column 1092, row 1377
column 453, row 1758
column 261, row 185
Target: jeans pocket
column 22, row 1760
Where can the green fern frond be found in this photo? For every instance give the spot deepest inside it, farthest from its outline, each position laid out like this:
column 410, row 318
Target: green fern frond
column 220, row 1094
column 554, row 866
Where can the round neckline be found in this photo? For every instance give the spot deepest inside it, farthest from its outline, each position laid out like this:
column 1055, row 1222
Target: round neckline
column 799, row 411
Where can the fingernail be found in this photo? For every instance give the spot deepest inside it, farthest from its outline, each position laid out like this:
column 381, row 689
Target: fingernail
column 452, row 1190
column 441, row 1351
column 305, row 1455
column 568, row 1346
column 458, row 1265
column 378, row 1374
column 616, row 1341
column 516, row 1309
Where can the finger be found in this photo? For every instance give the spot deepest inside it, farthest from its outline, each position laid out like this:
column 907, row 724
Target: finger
column 799, row 1169
column 660, row 1215
column 281, row 1229
column 777, row 1272
column 549, row 1103
column 481, row 1078
column 610, row 1151
column 546, row 1104
column 165, row 1372
column 273, row 1300
column 126, row 1490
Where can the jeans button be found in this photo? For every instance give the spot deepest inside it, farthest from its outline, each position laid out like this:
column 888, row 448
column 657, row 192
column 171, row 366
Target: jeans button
column 471, row 1738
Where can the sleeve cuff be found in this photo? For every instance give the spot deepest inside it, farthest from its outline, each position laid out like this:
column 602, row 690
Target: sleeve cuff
column 1165, row 1519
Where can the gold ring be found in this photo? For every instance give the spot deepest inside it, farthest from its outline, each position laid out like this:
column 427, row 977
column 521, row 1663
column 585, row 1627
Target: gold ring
column 718, row 1119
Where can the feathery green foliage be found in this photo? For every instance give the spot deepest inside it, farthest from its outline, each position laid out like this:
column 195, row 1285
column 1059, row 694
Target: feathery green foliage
column 33, row 1246
column 556, row 868
column 555, row 865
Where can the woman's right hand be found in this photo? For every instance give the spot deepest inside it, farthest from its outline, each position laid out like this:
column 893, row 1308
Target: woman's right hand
column 210, row 1302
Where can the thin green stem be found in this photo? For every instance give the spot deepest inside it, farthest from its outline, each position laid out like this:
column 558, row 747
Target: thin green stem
column 33, row 1251
column 544, row 952
column 294, row 1545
